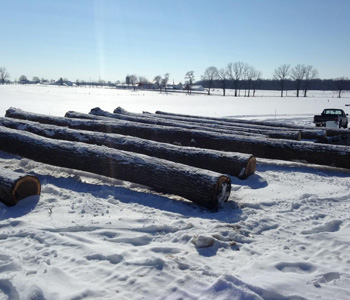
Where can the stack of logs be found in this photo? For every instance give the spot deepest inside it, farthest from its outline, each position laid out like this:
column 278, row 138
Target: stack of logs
column 188, row 156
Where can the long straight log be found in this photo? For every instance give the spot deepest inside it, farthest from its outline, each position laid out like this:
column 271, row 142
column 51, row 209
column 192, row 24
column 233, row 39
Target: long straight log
column 235, row 164
column 166, row 134
column 204, row 187
column 329, row 155
column 289, row 135
column 306, row 132
column 100, row 117
column 17, row 186
column 232, row 120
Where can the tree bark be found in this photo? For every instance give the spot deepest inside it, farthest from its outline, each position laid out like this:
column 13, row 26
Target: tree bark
column 328, row 155
column 17, row 186
column 203, row 187
column 101, row 115
column 306, row 132
column 229, row 129
column 235, row 164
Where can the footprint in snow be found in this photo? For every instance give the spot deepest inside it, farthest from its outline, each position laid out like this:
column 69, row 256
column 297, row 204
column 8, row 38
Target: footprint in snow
column 331, row 226
column 325, row 278
column 295, row 267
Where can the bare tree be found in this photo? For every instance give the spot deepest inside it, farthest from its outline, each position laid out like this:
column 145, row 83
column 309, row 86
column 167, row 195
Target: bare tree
column 4, row 75
column 310, row 74
column 189, row 80
column 281, row 74
column 133, row 80
column 210, row 74
column 223, row 77
column 36, row 79
column 158, row 80
column 298, row 74
column 23, row 79
column 236, row 72
column 251, row 74
column 165, row 81
column 340, row 84
column 256, row 81
column 142, row 80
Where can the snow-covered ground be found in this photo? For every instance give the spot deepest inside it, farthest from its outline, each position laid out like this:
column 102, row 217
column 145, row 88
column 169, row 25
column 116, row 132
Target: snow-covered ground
column 284, row 234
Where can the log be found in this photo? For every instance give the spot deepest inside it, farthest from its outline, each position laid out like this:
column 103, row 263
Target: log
column 308, row 133
column 165, row 134
column 17, row 186
column 78, row 115
column 322, row 154
column 232, row 120
column 235, row 164
column 203, row 187
column 336, row 132
column 289, row 135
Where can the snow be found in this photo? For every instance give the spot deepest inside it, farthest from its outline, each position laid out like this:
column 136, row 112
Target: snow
column 283, row 234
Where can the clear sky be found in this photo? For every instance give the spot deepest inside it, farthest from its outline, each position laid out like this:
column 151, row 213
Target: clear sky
column 85, row 39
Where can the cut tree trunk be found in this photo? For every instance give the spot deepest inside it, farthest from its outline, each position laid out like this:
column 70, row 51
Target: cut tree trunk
column 235, row 164
column 286, row 134
column 329, row 155
column 165, row 134
column 204, row 187
column 272, row 131
column 17, row 186
column 149, row 121
column 309, row 133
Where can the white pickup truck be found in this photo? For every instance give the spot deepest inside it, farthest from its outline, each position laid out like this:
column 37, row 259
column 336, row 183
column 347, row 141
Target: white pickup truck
column 332, row 114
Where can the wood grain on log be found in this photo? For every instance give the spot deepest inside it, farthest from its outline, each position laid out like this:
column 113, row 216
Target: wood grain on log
column 17, row 186
column 204, row 187
column 235, row 164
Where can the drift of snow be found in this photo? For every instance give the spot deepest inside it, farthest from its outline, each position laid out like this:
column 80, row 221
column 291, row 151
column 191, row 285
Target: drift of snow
column 283, row 234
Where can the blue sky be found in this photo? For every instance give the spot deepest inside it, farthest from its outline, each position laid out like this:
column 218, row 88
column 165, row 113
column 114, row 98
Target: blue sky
column 110, row 39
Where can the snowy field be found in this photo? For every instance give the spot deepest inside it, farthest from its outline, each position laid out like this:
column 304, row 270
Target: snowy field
column 283, row 234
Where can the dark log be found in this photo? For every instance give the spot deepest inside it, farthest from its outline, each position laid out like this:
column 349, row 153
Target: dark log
column 17, row 186
column 341, row 139
column 166, row 134
column 329, row 155
column 233, row 120
column 236, row 164
column 309, row 133
column 204, row 187
column 78, row 115
column 335, row 132
column 289, row 135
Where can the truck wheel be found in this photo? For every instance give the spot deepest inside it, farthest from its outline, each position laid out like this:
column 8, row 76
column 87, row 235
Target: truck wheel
column 346, row 125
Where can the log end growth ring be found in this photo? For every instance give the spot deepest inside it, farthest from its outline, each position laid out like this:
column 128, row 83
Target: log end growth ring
column 249, row 169
column 222, row 190
column 299, row 136
column 24, row 187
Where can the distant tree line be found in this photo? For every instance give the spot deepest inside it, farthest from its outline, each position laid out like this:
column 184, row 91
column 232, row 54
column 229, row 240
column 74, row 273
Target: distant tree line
column 243, row 78
column 274, row 85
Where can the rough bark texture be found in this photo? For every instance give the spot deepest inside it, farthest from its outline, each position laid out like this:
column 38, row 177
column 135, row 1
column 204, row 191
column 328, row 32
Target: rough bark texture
column 335, row 132
column 236, row 164
column 306, row 132
column 17, row 186
column 153, row 119
column 149, row 121
column 201, row 186
column 329, row 155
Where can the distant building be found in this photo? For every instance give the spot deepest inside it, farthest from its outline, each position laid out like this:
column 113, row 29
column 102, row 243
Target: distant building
column 197, row 88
